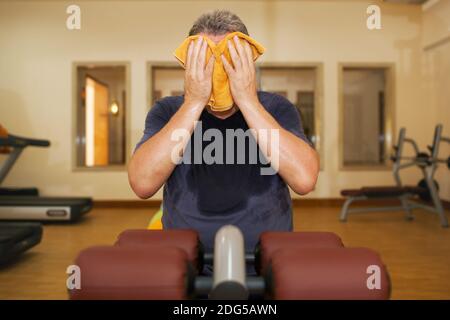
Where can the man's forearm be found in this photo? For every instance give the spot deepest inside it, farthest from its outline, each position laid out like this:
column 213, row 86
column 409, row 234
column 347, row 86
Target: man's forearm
column 152, row 163
column 298, row 162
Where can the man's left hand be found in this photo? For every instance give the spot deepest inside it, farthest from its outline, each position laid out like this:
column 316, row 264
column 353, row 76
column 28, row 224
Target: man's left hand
column 242, row 77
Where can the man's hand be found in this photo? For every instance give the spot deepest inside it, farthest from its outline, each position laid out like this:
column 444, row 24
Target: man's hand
column 242, row 76
column 152, row 164
column 198, row 79
column 298, row 162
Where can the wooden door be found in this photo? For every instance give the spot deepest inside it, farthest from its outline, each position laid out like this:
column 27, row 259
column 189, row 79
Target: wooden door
column 97, row 126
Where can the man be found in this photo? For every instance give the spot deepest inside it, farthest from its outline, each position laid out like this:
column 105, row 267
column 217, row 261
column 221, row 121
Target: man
column 205, row 196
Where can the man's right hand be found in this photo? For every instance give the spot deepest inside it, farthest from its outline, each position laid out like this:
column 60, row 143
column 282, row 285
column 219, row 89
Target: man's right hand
column 152, row 163
column 198, row 78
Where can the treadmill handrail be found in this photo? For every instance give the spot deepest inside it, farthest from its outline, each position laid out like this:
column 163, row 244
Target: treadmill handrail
column 21, row 142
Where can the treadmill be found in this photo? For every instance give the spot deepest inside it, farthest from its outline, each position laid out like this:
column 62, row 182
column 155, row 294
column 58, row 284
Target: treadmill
column 26, row 204
column 16, row 238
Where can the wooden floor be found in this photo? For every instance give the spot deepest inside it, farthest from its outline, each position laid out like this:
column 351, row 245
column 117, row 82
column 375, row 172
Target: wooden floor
column 417, row 253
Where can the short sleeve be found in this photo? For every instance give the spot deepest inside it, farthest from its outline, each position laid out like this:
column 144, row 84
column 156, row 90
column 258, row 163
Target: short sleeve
column 288, row 117
column 156, row 119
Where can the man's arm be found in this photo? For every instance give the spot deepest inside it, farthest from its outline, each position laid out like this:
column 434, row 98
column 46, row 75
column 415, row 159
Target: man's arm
column 152, row 163
column 298, row 162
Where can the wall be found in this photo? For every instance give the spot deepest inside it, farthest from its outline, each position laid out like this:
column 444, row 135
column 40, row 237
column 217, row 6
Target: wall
column 37, row 52
column 436, row 69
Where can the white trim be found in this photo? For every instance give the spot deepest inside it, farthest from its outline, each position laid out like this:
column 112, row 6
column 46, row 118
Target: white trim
column 90, row 123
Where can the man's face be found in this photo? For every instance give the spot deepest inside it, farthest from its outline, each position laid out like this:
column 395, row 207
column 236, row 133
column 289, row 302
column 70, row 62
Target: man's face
column 216, row 39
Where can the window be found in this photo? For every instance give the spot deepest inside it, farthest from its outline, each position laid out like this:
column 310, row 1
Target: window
column 366, row 126
column 299, row 85
column 166, row 80
column 101, row 103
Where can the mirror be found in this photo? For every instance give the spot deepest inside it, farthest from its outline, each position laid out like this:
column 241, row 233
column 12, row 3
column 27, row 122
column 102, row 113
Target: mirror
column 166, row 80
column 365, row 116
column 101, row 103
column 299, row 85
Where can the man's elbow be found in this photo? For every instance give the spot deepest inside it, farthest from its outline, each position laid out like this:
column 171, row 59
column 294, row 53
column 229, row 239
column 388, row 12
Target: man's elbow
column 306, row 183
column 303, row 188
column 143, row 193
column 141, row 189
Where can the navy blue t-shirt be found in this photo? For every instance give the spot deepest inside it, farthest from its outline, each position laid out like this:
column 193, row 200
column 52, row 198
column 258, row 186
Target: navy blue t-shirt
column 205, row 197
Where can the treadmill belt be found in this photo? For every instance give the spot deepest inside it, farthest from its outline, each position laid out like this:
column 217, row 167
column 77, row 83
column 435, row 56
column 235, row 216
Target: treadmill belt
column 44, row 201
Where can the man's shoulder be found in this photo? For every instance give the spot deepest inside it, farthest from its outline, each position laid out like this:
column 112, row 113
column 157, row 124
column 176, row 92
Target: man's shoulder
column 169, row 104
column 273, row 101
column 172, row 100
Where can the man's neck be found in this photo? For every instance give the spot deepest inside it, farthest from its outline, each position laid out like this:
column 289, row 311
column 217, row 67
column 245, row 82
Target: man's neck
column 223, row 114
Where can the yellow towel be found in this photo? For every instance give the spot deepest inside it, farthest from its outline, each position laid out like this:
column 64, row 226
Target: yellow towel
column 155, row 222
column 4, row 134
column 221, row 99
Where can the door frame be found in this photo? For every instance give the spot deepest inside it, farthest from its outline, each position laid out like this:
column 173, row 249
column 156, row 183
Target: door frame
column 75, row 114
column 389, row 112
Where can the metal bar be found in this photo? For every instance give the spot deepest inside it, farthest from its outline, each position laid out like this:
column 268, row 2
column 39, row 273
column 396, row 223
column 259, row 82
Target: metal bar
column 406, row 207
column 229, row 265
column 376, row 209
column 202, row 285
column 435, row 196
column 256, row 285
column 208, row 257
column 344, row 212
column 418, row 205
column 413, row 143
column 9, row 162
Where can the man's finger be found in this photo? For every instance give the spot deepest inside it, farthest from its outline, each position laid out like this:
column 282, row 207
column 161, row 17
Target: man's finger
column 202, row 57
column 234, row 56
column 195, row 54
column 242, row 54
column 226, row 65
column 189, row 54
column 249, row 53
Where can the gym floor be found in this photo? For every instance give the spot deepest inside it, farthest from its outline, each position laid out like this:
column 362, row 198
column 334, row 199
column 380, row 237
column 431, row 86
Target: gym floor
column 416, row 253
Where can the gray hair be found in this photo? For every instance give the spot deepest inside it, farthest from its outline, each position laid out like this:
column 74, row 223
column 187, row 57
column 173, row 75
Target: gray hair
column 218, row 22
